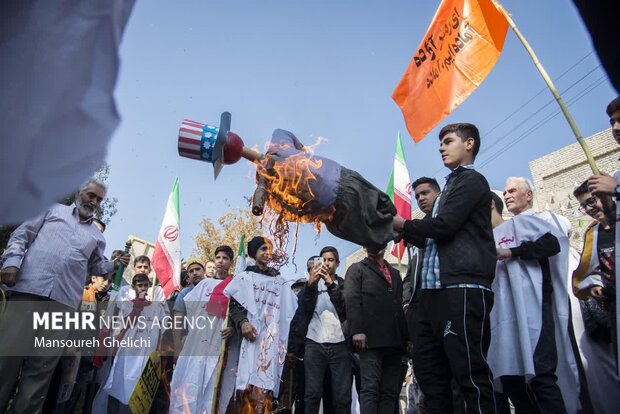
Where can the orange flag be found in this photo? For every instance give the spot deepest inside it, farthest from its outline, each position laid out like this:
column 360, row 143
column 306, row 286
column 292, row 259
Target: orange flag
column 458, row 51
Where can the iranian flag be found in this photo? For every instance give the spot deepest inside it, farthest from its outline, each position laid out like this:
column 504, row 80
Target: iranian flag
column 399, row 190
column 167, row 254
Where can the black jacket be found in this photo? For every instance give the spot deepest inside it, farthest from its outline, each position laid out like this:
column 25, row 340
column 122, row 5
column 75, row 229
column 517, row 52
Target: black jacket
column 373, row 306
column 462, row 230
column 305, row 310
column 540, row 250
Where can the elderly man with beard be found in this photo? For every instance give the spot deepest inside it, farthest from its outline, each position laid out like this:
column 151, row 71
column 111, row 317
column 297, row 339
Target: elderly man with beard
column 44, row 266
column 555, row 383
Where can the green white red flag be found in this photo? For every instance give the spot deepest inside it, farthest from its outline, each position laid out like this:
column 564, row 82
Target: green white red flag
column 399, row 190
column 167, row 254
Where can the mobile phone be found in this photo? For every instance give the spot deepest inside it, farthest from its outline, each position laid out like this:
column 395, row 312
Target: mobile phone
column 318, row 261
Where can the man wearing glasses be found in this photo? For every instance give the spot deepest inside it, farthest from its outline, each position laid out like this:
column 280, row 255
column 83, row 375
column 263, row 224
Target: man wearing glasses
column 593, row 284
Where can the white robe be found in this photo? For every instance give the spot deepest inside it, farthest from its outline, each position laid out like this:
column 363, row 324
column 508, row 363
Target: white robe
column 193, row 381
column 271, row 304
column 129, row 362
column 516, row 317
column 126, row 292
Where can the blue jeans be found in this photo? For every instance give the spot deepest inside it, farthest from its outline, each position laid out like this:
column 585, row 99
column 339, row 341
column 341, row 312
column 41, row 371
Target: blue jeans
column 333, row 357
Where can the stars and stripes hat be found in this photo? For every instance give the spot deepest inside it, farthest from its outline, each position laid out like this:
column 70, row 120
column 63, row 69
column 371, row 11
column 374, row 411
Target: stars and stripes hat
column 197, row 140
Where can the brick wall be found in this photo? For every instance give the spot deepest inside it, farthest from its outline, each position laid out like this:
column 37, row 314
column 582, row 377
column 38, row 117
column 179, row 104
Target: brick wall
column 555, row 175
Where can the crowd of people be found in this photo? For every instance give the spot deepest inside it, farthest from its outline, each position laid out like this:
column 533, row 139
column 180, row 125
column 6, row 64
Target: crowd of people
column 497, row 315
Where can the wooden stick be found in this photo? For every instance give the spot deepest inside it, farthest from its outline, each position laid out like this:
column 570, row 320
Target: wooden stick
column 250, row 154
column 221, row 364
column 556, row 95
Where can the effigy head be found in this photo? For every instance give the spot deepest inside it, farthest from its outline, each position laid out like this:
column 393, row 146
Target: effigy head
column 209, row 143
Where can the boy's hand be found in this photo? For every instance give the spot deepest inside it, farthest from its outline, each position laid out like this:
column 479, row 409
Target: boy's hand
column 326, row 277
column 315, row 274
column 596, row 292
column 227, row 332
column 360, row 341
column 602, row 184
column 399, row 223
column 248, row 331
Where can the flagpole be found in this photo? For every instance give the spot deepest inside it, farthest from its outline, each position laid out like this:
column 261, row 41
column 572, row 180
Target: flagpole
column 554, row 91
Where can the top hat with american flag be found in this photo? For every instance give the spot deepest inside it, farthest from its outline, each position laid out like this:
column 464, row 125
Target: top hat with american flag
column 204, row 142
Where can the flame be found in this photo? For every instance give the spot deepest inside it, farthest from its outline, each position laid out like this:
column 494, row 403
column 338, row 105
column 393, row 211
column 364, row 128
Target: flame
column 288, row 180
column 257, row 400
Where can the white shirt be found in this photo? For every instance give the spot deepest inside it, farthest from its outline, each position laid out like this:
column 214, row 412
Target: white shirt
column 324, row 326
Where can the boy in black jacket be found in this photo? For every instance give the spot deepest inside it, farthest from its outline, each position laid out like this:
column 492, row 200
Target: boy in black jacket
column 451, row 310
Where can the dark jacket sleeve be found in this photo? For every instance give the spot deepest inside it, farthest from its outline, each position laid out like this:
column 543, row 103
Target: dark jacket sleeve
column 415, row 240
column 353, row 299
column 238, row 313
column 295, row 343
column 336, row 295
column 408, row 284
column 308, row 297
column 461, row 200
column 546, row 246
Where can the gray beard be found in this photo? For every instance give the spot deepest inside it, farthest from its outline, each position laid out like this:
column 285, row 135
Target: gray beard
column 83, row 211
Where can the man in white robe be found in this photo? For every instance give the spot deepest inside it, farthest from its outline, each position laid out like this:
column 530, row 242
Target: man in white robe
column 144, row 323
column 526, row 237
column 196, row 372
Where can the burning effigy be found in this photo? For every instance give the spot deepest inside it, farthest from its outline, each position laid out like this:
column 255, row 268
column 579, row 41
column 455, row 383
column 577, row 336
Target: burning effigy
column 296, row 186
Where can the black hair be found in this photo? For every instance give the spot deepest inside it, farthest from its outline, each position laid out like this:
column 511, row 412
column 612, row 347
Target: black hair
column 184, row 278
column 331, row 249
column 499, row 204
column 139, row 277
column 613, row 106
column 225, row 249
column 581, row 189
column 426, row 180
column 89, row 279
column 142, row 259
column 255, row 244
column 464, row 131
column 375, row 249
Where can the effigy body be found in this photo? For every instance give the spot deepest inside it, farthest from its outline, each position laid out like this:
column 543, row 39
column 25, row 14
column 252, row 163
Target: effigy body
column 303, row 187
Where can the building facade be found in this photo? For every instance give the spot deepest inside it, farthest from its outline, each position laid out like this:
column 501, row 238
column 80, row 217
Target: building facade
column 555, row 175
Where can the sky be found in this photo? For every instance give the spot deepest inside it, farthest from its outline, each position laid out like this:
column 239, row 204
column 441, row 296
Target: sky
column 323, row 69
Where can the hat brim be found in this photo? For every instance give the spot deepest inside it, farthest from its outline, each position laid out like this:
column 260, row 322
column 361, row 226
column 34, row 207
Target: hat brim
column 218, row 149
